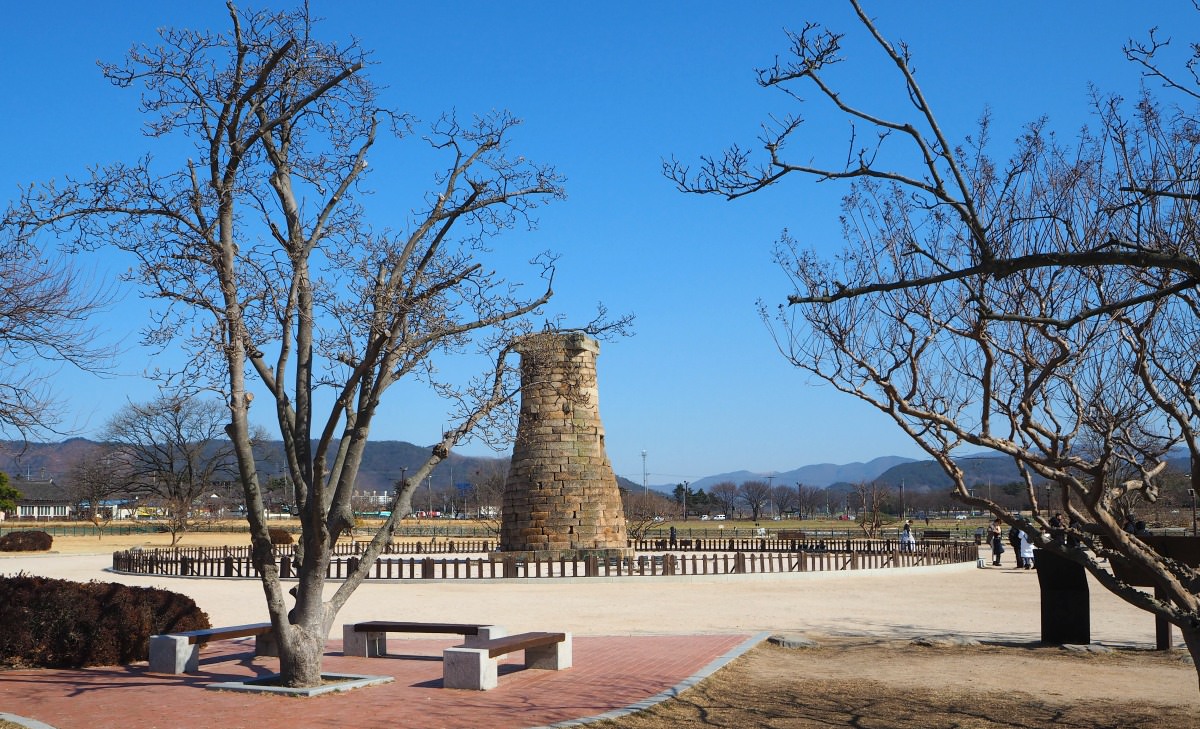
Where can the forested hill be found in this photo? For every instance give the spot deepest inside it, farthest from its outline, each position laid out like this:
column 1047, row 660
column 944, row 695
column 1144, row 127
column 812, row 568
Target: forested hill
column 980, row 470
column 384, row 462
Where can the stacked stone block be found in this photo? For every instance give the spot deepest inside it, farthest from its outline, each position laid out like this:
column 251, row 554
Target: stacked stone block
column 561, row 497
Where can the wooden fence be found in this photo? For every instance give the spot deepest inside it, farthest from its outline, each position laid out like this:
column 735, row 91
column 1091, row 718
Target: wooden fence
column 461, row 529
column 787, row 544
column 236, row 562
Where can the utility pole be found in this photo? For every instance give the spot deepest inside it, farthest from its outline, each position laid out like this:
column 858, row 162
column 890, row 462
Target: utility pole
column 771, row 492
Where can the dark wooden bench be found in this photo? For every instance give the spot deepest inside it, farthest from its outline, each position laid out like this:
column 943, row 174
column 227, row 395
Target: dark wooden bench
column 369, row 639
column 477, row 667
column 787, row 534
column 180, row 652
column 936, row 535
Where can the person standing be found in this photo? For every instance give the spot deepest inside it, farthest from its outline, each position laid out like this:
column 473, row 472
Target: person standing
column 908, row 542
column 1058, row 528
column 1024, row 550
column 1014, row 540
column 996, row 537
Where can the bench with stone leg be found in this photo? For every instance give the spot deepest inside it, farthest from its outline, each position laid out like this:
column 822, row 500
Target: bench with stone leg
column 369, row 639
column 477, row 667
column 180, row 652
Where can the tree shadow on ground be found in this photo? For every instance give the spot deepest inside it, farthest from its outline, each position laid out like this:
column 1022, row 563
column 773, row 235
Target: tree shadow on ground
column 764, row 689
column 871, row 705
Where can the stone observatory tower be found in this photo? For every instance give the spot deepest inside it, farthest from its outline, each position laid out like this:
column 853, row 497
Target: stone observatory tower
column 561, row 497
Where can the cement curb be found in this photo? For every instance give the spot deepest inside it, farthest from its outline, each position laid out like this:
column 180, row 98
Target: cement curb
column 25, row 722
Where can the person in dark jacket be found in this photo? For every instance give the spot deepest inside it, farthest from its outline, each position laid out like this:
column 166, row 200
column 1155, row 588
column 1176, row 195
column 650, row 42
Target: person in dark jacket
column 996, row 537
column 1014, row 539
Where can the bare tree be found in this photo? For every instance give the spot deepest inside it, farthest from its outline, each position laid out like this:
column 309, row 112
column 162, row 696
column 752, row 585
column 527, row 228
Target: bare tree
column 273, row 281
column 94, row 478
column 487, row 494
column 873, row 500
column 172, row 450
column 44, row 307
column 725, row 494
column 756, row 495
column 1043, row 307
column 786, row 498
column 643, row 510
column 807, row 499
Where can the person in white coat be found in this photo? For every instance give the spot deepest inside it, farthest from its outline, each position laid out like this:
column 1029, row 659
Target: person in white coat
column 1024, row 550
column 908, row 540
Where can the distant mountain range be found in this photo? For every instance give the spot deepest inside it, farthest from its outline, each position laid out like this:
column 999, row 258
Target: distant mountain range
column 914, row 475
column 821, row 474
column 384, row 462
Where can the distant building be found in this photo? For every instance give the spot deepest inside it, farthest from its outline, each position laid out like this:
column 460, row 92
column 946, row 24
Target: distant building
column 42, row 499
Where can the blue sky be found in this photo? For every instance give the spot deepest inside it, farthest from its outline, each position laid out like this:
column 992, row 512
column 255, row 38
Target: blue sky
column 607, row 90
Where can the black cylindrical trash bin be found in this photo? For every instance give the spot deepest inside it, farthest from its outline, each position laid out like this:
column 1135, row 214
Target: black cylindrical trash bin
column 1066, row 609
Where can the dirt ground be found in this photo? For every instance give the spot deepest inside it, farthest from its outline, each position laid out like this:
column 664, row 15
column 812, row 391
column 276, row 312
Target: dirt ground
column 897, row 685
column 865, row 671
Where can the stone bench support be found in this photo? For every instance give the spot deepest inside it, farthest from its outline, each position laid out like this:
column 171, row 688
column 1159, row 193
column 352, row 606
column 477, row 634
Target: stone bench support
column 180, row 652
column 369, row 640
column 477, row 668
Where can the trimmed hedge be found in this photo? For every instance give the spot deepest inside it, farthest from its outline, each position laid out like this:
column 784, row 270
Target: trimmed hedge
column 27, row 541
column 61, row 624
column 280, row 536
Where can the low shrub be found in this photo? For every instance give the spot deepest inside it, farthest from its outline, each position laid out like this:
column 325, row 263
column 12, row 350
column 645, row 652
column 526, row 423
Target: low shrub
column 280, row 536
column 27, row 541
column 61, row 624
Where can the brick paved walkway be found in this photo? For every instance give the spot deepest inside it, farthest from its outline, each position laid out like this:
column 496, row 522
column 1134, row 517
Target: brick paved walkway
column 609, row 673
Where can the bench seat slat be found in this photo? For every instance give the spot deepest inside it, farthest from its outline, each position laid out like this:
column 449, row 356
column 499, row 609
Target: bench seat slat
column 386, row 626
column 233, row 631
column 519, row 642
